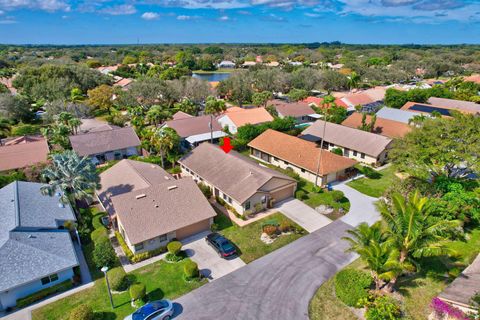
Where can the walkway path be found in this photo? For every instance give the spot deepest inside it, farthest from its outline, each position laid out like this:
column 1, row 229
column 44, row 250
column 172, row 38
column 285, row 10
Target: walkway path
column 303, row 215
column 362, row 207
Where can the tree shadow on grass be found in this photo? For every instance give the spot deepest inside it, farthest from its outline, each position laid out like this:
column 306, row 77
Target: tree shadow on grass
column 156, row 294
column 104, row 316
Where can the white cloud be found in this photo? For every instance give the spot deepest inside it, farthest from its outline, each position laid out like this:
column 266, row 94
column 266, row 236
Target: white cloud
column 312, row 15
column 184, row 17
column 120, row 10
column 150, row 16
column 224, row 18
column 45, row 5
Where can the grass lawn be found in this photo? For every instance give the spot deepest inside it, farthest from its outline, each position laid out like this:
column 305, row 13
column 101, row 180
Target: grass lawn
column 313, row 198
column 375, row 187
column 163, row 280
column 247, row 238
column 417, row 290
column 221, row 70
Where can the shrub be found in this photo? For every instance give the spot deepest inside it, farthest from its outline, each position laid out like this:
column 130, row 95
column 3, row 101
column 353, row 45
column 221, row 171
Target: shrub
column 190, row 270
column 285, row 226
column 117, row 278
column 34, row 297
column 207, row 192
column 337, row 151
column 382, row 308
column 82, row 312
column 301, row 194
column 148, row 254
column 104, row 255
column 370, row 173
column 337, row 195
column 258, row 207
column 220, row 201
column 137, row 291
column 174, row 247
column 25, row 130
column 270, row 230
column 352, row 285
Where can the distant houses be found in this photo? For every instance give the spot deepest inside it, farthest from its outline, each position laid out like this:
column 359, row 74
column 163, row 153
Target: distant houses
column 242, row 183
column 397, row 115
column 21, row 152
column 385, row 127
column 362, row 146
column 101, row 146
column 226, row 64
column 370, row 100
column 236, row 117
column 302, row 157
column 300, row 111
column 150, row 208
column 442, row 106
column 36, row 250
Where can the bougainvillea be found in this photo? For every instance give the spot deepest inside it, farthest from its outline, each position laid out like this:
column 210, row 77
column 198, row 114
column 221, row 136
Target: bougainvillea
column 440, row 307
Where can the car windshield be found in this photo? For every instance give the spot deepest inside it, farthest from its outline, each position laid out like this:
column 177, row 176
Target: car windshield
column 148, row 309
column 227, row 246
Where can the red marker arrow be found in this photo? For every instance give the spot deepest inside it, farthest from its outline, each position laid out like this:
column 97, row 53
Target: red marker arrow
column 227, row 147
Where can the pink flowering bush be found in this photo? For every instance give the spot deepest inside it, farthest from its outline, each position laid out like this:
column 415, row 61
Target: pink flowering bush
column 442, row 308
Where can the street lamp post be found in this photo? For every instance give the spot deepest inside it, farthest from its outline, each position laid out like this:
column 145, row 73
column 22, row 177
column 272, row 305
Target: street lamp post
column 104, row 270
column 319, row 160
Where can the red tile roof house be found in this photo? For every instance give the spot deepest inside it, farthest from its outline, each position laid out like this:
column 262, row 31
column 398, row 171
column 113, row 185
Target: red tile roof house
column 23, row 152
column 236, row 117
column 385, row 127
column 101, row 146
column 318, row 102
column 301, row 156
column 370, row 99
column 301, row 111
column 150, row 208
column 238, row 180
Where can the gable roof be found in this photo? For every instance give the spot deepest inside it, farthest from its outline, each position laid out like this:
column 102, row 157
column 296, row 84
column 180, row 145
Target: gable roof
column 473, row 78
column 31, row 245
column 242, row 117
column 181, row 115
column 104, row 141
column 93, row 125
column 237, row 176
column 385, row 127
column 23, row 152
column 190, row 126
column 365, row 97
column 302, row 153
column 318, row 102
column 354, row 139
column 294, row 109
column 463, row 106
column 396, row 114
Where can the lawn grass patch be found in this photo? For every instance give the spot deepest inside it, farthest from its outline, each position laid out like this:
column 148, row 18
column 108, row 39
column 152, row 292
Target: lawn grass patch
column 247, row 238
column 375, row 187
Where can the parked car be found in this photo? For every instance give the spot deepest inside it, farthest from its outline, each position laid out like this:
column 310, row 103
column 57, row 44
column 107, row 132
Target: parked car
column 155, row 310
column 221, row 244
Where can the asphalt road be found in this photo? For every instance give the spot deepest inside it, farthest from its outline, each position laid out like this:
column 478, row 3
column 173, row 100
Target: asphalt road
column 277, row 286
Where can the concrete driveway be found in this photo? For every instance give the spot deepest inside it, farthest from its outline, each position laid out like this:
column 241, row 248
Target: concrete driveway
column 362, row 207
column 208, row 260
column 303, row 215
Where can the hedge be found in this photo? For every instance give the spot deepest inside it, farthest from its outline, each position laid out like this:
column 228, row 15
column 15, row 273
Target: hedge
column 117, row 277
column 190, row 270
column 174, row 247
column 135, row 258
column 352, row 285
column 37, row 296
column 82, row 312
column 137, row 291
column 104, row 254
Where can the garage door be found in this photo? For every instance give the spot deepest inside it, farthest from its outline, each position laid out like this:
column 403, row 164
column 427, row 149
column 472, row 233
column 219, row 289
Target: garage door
column 282, row 194
column 193, row 229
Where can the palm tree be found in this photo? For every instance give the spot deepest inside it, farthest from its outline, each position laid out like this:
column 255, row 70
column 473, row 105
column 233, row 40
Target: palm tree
column 413, row 231
column 76, row 95
column 353, row 80
column 417, row 120
column 57, row 135
column 164, row 139
column 213, row 107
column 4, row 128
column 369, row 242
column 73, row 177
column 157, row 114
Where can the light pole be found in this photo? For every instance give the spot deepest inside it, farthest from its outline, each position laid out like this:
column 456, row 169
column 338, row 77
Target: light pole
column 104, row 270
column 321, row 150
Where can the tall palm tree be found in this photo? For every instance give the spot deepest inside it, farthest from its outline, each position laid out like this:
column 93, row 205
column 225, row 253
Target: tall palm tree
column 73, row 176
column 214, row 107
column 353, row 80
column 4, row 128
column 164, row 139
column 417, row 120
column 157, row 114
column 413, row 231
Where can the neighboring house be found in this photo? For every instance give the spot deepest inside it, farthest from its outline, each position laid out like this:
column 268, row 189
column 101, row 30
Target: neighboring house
column 226, row 64
column 301, row 111
column 370, row 100
column 149, row 207
column 123, row 83
column 272, row 64
column 108, row 69
column 459, row 105
column 248, row 64
column 94, row 125
column 398, row 115
column 460, row 292
column 360, row 145
column 181, row 115
column 473, row 78
column 194, row 130
column 101, row 146
column 36, row 251
column 318, row 102
column 385, row 127
column 8, row 82
column 22, row 152
column 301, row 156
column 239, row 181
column 236, row 117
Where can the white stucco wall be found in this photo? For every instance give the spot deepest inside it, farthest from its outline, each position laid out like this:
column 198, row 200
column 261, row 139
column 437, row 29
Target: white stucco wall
column 148, row 245
column 226, row 122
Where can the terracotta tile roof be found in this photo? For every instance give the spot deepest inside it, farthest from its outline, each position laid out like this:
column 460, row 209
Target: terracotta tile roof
column 23, row 152
column 294, row 109
column 299, row 152
column 251, row 116
column 236, row 175
column 365, row 97
column 104, row 141
column 354, row 139
column 385, row 127
column 473, row 78
column 318, row 102
column 187, row 127
column 123, row 82
column 181, row 115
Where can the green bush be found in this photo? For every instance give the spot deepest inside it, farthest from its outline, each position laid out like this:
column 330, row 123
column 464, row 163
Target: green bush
column 258, row 207
column 336, row 195
column 117, row 278
column 137, row 291
column 174, row 247
column 135, row 258
column 25, row 130
column 382, row 308
column 337, row 151
column 190, row 270
column 37, row 296
column 82, row 312
column 104, row 255
column 301, row 194
column 352, row 285
column 369, row 172
column 9, row 177
column 207, row 192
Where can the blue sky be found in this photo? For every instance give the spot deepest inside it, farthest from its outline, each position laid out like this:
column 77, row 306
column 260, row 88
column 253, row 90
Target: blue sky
column 201, row 21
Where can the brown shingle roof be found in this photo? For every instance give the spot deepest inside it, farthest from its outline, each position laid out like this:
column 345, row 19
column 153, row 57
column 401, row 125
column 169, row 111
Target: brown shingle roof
column 181, row 115
column 301, row 153
column 23, row 152
column 187, row 127
column 463, row 106
column 237, row 176
column 166, row 207
column 295, row 109
column 252, row 116
column 354, row 139
column 104, row 141
column 385, row 127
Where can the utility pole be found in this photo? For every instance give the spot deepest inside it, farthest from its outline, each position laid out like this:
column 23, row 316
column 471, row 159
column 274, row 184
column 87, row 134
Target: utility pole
column 319, row 161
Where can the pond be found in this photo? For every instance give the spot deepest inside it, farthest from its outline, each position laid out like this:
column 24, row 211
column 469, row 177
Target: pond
column 210, row 77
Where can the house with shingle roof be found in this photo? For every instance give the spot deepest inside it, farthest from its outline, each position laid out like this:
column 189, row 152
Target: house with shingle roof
column 385, row 127
column 301, row 111
column 356, row 144
column 101, row 146
column 238, row 180
column 398, row 115
column 149, row 207
column 36, row 251
column 22, row 152
column 235, row 117
column 370, row 100
column 303, row 157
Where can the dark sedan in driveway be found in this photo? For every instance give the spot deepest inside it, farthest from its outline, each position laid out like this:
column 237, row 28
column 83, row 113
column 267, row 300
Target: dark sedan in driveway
column 221, row 244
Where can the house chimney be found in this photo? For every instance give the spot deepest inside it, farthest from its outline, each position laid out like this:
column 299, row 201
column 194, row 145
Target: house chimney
column 140, row 196
column 171, row 188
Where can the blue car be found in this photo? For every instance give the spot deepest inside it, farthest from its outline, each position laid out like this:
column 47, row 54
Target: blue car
column 155, row 310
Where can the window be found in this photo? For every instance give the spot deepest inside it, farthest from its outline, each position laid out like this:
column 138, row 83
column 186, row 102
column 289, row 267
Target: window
column 163, row 238
column 303, row 170
column 247, row 205
column 50, row 278
column 285, row 162
column 225, row 197
column 354, row 153
column 274, row 158
column 229, row 200
column 264, row 199
column 362, row 156
column 139, row 246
